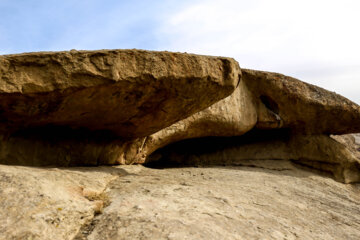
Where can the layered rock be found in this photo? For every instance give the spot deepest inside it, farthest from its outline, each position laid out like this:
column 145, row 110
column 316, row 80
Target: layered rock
column 302, row 107
column 303, row 113
column 130, row 93
column 337, row 157
column 232, row 116
column 272, row 133
column 120, row 106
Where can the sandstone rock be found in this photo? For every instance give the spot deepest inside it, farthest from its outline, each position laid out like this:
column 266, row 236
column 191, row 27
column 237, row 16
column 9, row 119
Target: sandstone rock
column 276, row 102
column 302, row 107
column 318, row 152
column 271, row 133
column 232, row 116
column 357, row 138
column 44, row 95
column 350, row 141
column 269, row 199
column 50, row 203
column 266, row 101
column 72, row 149
column 131, row 93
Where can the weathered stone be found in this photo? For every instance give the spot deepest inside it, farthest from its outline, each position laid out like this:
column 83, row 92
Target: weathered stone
column 301, row 110
column 320, row 152
column 75, row 149
column 59, row 134
column 131, row 93
column 271, row 200
column 285, row 102
column 51, row 203
column 232, row 116
column 268, row 103
column 268, row 199
column 357, row 138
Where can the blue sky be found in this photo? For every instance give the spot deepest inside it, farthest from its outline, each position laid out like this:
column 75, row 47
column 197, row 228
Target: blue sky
column 38, row 25
column 317, row 41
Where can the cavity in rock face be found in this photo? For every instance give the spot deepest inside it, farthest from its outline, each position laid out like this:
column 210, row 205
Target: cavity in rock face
column 120, row 106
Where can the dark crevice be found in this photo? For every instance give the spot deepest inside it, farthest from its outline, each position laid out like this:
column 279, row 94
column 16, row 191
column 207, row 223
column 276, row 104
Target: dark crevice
column 308, row 165
column 88, row 227
column 86, row 230
column 188, row 150
column 270, row 104
column 54, row 133
column 239, row 80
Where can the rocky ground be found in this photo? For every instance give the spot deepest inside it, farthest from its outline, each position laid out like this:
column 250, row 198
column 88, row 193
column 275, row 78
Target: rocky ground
column 260, row 200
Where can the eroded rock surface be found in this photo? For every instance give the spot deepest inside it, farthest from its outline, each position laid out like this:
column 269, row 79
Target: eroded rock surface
column 303, row 113
column 302, row 107
column 50, row 203
column 232, row 116
column 264, row 199
column 132, row 93
column 338, row 156
column 271, row 201
column 120, row 106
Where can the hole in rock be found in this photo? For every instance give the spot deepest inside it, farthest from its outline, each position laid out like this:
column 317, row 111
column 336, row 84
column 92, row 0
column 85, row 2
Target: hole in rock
column 214, row 151
column 270, row 104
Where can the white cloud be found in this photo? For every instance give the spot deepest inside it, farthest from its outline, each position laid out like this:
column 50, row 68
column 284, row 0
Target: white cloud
column 317, row 41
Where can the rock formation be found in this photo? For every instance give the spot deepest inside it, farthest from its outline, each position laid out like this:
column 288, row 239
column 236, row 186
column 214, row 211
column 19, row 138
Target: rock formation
column 264, row 146
column 128, row 92
column 299, row 106
column 302, row 113
column 259, row 200
column 120, row 106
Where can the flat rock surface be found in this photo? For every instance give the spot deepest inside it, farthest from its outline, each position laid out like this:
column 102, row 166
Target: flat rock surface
column 264, row 200
column 50, row 203
column 131, row 93
column 357, row 138
column 270, row 201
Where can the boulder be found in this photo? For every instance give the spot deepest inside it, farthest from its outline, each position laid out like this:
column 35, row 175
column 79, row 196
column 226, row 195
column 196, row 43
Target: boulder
column 286, row 102
column 128, row 93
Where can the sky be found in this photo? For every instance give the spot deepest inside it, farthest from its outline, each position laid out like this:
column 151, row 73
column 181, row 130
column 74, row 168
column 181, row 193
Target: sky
column 316, row 41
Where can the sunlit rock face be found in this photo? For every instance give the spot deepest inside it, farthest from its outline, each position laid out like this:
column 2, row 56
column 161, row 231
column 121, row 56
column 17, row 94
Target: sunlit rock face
column 123, row 106
column 199, row 149
column 130, row 93
column 262, row 199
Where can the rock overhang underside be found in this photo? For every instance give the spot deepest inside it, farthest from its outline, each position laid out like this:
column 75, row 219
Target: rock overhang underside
column 121, row 106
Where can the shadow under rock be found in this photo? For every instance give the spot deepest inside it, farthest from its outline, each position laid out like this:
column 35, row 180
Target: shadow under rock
column 113, row 170
column 257, row 150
